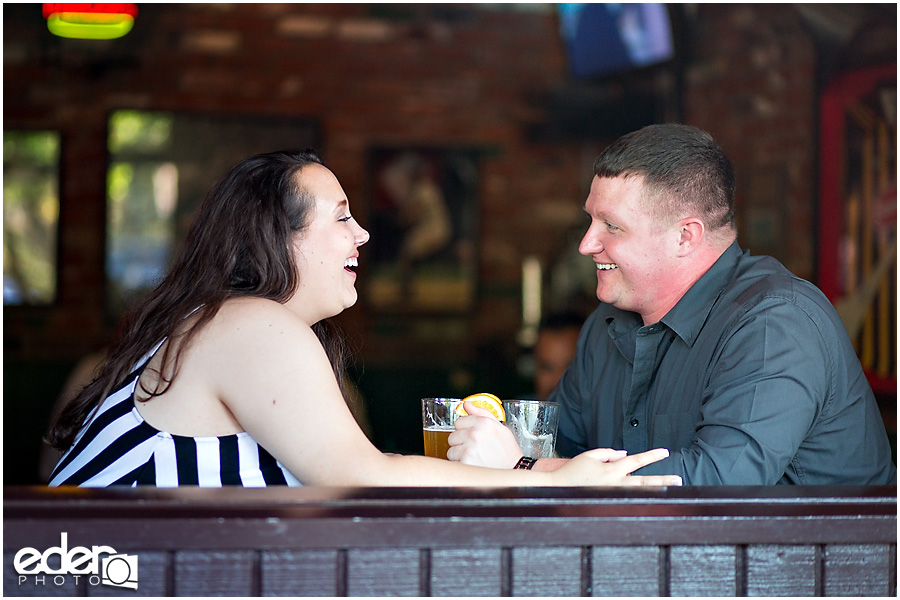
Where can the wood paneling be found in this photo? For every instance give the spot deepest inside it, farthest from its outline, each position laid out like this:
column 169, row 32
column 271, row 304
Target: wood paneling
column 758, row 541
column 702, row 570
column 860, row 570
column 466, row 572
column 299, row 573
column 781, row 570
column 211, row 572
column 543, row 571
column 626, row 570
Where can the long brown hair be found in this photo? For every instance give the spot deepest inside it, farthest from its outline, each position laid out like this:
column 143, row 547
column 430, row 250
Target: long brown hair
column 238, row 245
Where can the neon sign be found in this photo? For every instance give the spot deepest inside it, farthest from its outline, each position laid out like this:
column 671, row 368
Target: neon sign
column 90, row 21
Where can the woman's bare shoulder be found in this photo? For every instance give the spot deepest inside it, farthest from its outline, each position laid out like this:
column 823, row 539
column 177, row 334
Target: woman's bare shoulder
column 242, row 320
column 251, row 308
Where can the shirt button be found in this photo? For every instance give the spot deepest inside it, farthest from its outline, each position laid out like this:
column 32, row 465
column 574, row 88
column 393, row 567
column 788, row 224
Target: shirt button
column 634, row 422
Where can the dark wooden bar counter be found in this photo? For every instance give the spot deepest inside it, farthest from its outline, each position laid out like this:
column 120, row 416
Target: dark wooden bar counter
column 691, row 541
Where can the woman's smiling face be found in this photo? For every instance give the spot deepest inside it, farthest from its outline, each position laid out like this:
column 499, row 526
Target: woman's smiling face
column 634, row 254
column 326, row 250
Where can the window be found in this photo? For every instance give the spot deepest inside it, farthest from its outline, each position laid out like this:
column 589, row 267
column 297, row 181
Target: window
column 161, row 166
column 141, row 196
column 30, row 216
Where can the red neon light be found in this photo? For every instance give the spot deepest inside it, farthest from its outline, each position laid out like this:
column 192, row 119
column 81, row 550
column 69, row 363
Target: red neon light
column 118, row 8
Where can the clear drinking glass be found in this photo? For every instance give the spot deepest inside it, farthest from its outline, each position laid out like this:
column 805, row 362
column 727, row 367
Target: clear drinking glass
column 438, row 422
column 534, row 423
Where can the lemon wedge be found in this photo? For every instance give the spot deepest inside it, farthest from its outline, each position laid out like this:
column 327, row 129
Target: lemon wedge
column 486, row 401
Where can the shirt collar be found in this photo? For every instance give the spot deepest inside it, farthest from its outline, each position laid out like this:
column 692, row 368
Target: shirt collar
column 687, row 317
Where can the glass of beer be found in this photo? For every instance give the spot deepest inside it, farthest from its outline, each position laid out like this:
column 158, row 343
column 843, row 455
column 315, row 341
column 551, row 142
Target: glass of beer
column 438, row 422
column 534, row 423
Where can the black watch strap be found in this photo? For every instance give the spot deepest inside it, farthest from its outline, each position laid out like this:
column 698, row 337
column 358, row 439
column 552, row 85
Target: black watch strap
column 526, row 462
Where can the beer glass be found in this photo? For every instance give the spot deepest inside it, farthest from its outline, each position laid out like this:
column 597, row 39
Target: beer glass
column 438, row 422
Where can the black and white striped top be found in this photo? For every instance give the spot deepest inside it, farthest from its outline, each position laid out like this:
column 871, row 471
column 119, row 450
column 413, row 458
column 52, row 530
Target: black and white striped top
column 117, row 447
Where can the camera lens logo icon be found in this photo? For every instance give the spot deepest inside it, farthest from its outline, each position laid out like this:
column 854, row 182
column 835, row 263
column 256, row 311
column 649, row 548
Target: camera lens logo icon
column 120, row 570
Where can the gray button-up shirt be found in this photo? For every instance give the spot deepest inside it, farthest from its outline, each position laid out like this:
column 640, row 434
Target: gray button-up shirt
column 750, row 379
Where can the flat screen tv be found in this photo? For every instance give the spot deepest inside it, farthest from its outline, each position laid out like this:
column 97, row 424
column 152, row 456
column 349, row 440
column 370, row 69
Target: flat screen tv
column 609, row 39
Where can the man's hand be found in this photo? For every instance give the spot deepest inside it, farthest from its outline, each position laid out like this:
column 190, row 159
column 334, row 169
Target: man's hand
column 482, row 440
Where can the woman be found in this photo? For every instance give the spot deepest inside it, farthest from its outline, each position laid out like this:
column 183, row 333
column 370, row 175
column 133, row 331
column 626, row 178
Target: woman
column 228, row 374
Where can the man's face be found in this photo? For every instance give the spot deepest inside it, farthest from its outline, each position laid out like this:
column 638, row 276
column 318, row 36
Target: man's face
column 635, row 255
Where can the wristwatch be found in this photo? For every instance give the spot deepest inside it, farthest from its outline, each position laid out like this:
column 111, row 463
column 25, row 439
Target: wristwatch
column 526, row 462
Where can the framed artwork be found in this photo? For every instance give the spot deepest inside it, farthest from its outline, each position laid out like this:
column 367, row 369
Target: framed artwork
column 423, row 225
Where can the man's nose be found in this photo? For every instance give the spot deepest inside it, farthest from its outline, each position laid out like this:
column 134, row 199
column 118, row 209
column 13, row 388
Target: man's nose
column 589, row 244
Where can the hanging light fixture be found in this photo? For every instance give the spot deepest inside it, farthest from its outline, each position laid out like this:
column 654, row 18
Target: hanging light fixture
column 90, row 21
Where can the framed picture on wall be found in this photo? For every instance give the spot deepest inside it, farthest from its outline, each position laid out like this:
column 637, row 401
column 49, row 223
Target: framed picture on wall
column 423, row 223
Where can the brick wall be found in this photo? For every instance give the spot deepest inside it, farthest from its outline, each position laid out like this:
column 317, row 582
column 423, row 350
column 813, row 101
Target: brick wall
column 751, row 84
column 395, row 75
column 390, row 75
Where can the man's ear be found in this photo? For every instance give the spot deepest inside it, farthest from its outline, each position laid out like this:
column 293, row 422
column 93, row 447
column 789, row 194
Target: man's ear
column 690, row 235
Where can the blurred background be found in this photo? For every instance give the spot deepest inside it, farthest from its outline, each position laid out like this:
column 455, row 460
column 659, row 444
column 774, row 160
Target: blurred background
column 464, row 136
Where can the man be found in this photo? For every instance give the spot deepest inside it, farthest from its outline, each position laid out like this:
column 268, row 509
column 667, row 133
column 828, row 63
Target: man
column 742, row 370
